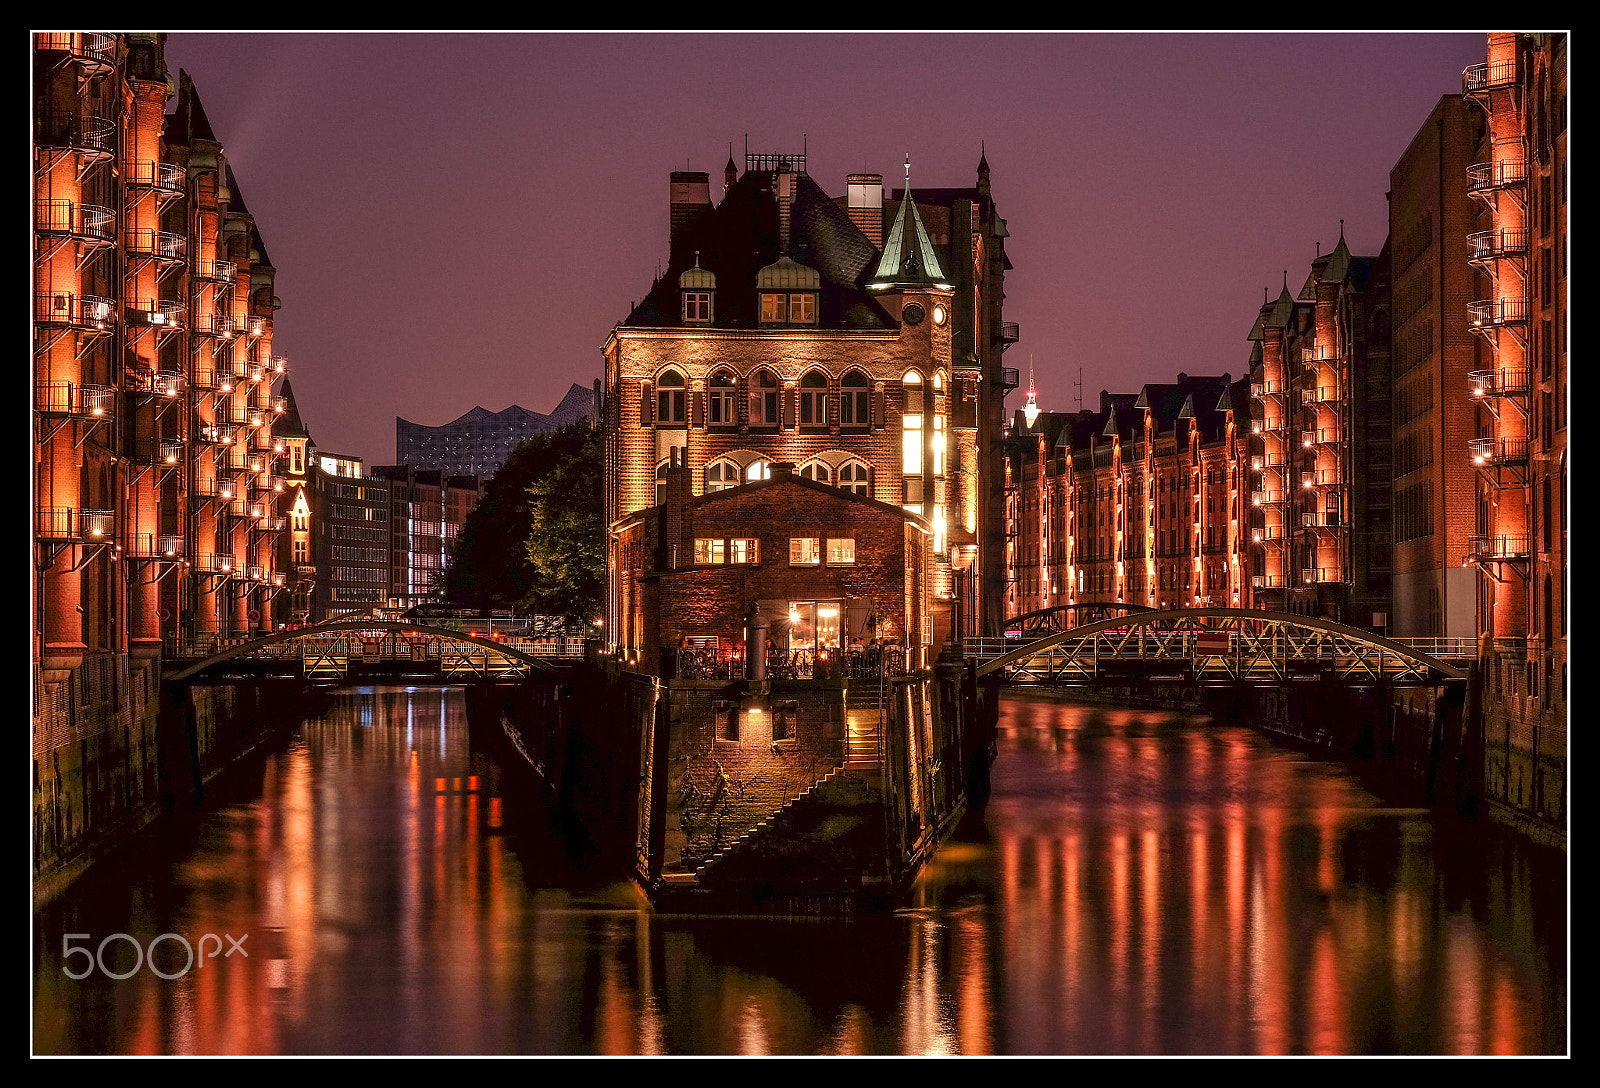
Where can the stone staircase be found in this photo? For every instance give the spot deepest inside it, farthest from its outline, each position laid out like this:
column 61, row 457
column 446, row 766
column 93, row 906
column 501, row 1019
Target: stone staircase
column 853, row 780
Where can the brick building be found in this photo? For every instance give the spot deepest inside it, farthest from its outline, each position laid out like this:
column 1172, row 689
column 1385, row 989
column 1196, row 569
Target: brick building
column 1140, row 502
column 1518, row 389
column 156, row 505
column 1320, row 444
column 858, row 339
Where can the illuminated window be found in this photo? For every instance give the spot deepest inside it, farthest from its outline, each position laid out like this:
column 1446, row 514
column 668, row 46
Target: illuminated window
column 818, row 471
column 721, row 475
column 841, row 551
column 804, row 551
column 783, row 308
column 911, row 425
column 764, row 399
column 758, row 470
column 855, row 477
column 720, row 410
column 697, row 306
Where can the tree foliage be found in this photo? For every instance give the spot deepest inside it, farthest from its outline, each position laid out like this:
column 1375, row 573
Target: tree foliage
column 536, row 541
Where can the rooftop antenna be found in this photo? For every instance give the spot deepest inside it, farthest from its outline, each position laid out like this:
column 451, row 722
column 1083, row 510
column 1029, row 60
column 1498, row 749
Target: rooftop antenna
column 1078, row 385
column 1030, row 411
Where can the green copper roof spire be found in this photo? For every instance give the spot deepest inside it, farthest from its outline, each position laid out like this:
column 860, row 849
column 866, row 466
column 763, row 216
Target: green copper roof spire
column 908, row 258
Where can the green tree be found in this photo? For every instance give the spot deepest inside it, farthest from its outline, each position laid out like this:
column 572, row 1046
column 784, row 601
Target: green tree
column 536, row 542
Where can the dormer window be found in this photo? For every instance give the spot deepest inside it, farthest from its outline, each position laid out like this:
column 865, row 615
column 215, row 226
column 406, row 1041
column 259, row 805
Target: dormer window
column 788, row 293
column 789, row 308
column 696, row 287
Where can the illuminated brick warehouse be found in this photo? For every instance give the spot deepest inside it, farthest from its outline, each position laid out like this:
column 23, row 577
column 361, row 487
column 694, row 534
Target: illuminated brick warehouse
column 156, row 496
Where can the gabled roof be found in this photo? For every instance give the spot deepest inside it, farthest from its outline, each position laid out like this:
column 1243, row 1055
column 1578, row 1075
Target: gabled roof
column 741, row 236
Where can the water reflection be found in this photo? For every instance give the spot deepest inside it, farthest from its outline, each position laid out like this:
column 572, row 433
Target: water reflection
column 1139, row 883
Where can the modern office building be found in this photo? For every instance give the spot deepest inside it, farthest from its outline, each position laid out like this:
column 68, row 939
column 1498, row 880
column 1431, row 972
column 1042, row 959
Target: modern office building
column 427, row 509
column 478, row 443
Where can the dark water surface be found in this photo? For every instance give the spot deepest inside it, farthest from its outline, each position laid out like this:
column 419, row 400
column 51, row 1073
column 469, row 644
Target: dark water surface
column 1139, row 883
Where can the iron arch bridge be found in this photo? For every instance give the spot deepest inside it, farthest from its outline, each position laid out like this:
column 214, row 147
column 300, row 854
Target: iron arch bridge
column 1213, row 645
column 365, row 649
column 1064, row 617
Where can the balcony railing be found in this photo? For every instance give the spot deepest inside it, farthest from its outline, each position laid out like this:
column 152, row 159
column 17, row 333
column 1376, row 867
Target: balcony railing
column 1487, row 76
column 1266, row 497
column 213, row 324
column 1498, row 546
column 158, row 245
column 164, row 176
column 1320, row 519
column 1009, row 333
column 214, row 271
column 153, row 546
column 1314, row 575
column 74, row 399
column 1488, row 245
column 1495, row 312
column 158, row 312
column 1501, row 382
column 1498, row 451
column 91, row 49
column 90, row 136
column 1267, row 581
column 71, row 523
column 157, row 451
column 160, row 383
column 215, row 564
column 87, row 312
column 1485, row 177
column 89, row 223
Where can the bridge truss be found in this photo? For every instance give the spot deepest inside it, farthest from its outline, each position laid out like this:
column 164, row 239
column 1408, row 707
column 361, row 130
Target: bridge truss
column 340, row 649
column 1210, row 645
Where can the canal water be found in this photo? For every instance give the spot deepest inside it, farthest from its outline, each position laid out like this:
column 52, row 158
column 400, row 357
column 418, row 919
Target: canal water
column 1139, row 883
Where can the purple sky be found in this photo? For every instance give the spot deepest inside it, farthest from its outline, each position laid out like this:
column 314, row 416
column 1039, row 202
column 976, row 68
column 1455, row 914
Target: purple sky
column 460, row 219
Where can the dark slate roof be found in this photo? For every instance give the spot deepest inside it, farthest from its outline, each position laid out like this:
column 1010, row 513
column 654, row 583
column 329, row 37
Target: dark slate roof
column 188, row 121
column 290, row 422
column 740, row 236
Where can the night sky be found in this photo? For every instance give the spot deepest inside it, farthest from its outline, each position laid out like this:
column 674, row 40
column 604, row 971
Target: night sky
column 460, row 219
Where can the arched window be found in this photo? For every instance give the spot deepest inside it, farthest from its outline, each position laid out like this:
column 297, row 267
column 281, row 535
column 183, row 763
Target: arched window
column 911, row 425
column 720, row 410
column 721, row 475
column 818, row 471
column 854, row 404
column 661, row 483
column 814, row 400
column 670, row 399
column 855, row 477
column 764, row 399
column 758, row 469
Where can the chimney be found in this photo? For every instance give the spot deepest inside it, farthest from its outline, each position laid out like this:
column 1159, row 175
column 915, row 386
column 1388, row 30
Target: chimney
column 785, row 203
column 866, row 205
column 691, row 199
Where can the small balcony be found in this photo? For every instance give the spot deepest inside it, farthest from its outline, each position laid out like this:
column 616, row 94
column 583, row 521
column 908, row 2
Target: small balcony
column 164, row 452
column 215, row 564
column 87, row 313
column 1498, row 451
column 74, row 399
column 1266, row 497
column 154, row 245
column 1492, row 245
column 158, row 313
column 1267, row 581
column 256, row 327
column 1496, row 313
column 215, row 325
column 159, row 383
column 1479, row 78
column 1007, row 334
column 92, row 138
column 1504, row 546
column 164, row 177
column 153, row 546
column 1489, row 177
column 89, row 224
column 1501, row 382
column 71, row 523
column 255, row 572
column 1314, row 575
column 96, row 53
column 214, row 271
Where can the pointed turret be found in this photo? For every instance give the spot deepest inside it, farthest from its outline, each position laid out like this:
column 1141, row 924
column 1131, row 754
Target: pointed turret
column 909, row 259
